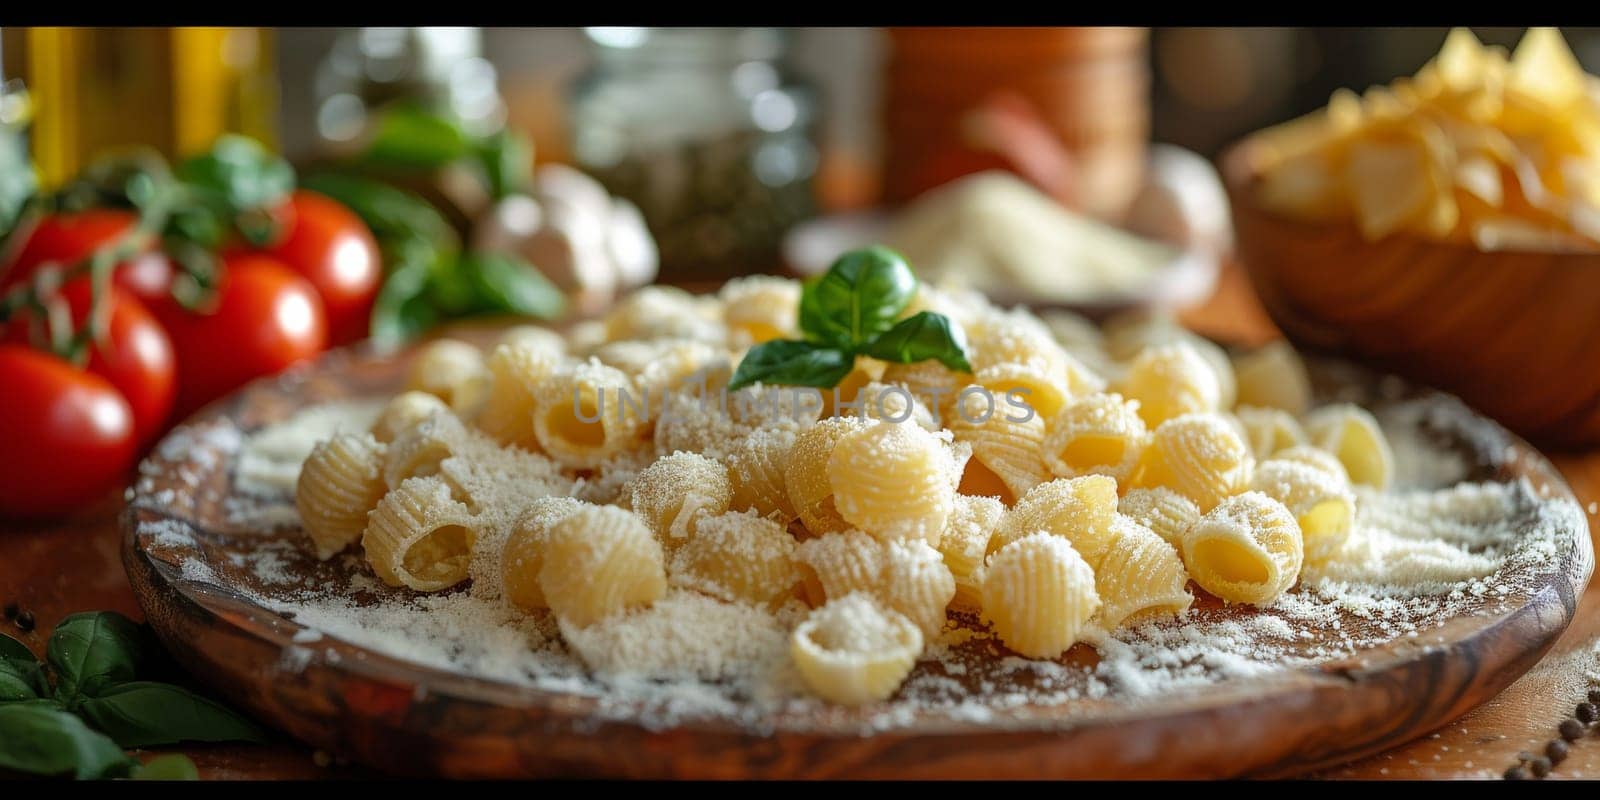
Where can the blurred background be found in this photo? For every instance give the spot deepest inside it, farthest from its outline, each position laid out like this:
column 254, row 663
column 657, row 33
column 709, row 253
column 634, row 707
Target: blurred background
column 723, row 138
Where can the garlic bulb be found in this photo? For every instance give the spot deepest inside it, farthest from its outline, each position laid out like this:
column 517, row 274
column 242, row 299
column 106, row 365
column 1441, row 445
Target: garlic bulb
column 588, row 243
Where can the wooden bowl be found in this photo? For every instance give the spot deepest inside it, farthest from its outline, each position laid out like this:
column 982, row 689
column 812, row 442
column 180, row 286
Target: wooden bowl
column 1515, row 334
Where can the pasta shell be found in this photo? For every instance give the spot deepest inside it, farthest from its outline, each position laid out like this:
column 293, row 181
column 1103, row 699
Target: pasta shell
column 853, row 651
column 339, row 483
column 1246, row 550
column 1038, row 594
column 419, row 536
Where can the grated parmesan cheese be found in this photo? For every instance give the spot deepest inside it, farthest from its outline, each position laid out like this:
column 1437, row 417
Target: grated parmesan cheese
column 1418, row 556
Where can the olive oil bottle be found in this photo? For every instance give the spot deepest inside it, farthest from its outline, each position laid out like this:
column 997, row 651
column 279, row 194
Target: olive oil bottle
column 174, row 89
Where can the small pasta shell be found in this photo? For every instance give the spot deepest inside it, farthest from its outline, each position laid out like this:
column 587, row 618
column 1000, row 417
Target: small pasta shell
column 894, row 404
column 760, row 308
column 1200, row 456
column 930, row 382
column 600, row 561
column 524, row 550
column 453, row 371
column 755, row 468
column 675, row 491
column 1162, row 510
column 1322, row 503
column 1044, row 390
column 1268, row 430
column 964, row 544
column 807, row 468
column 1273, row 376
column 1007, row 449
column 1171, row 380
column 1141, row 577
column 738, row 557
column 1038, row 593
column 1246, row 550
column 918, row 584
column 854, row 651
column 339, row 483
column 1352, row 434
column 515, row 368
column 418, row 451
column 1316, row 458
column 582, row 414
column 1079, row 510
column 892, row 481
column 1097, row 434
column 535, row 337
column 403, row 412
column 836, row 564
column 419, row 536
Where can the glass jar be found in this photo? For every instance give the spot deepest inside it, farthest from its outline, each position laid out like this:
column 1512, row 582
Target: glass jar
column 708, row 132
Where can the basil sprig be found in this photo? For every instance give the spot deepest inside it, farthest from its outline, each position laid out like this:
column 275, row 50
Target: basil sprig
column 849, row 311
column 76, row 713
column 429, row 278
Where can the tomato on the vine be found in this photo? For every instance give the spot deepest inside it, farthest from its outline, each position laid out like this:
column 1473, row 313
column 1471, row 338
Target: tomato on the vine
column 331, row 247
column 66, row 435
column 67, row 238
column 135, row 354
column 263, row 319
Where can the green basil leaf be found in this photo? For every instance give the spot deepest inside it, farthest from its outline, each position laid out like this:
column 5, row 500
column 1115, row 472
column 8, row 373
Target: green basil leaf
column 402, row 309
column 394, row 215
column 170, row 767
column 242, row 172
column 789, row 363
column 507, row 161
column 922, row 336
column 144, row 713
column 11, row 648
column 41, row 739
column 504, row 283
column 93, row 651
column 858, row 298
column 412, row 137
column 21, row 679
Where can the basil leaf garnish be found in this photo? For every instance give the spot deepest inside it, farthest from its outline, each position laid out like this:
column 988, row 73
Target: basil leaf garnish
column 93, row 651
column 858, row 298
column 39, row 738
column 145, row 713
column 792, row 363
column 922, row 336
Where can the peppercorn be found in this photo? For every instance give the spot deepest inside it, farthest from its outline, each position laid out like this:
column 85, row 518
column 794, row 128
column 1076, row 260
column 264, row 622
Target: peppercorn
column 1516, row 773
column 11, row 610
column 1571, row 729
column 1594, row 695
column 25, row 620
column 1587, row 712
column 1556, row 751
column 1540, row 767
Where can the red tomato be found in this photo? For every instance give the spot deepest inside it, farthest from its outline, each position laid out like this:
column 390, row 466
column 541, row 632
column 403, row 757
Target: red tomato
column 66, row 435
column 135, row 355
column 65, row 239
column 329, row 245
column 264, row 319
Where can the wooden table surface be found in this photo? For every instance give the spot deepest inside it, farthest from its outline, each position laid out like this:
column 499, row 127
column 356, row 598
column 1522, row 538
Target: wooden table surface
column 75, row 565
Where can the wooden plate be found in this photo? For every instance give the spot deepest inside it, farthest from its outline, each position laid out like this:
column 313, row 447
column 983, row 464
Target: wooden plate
column 182, row 555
